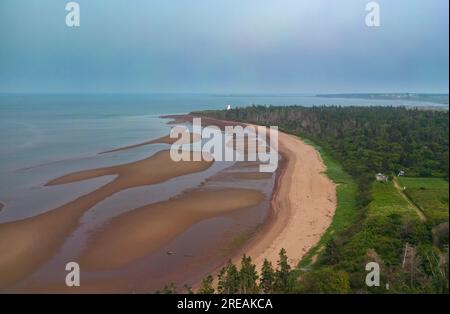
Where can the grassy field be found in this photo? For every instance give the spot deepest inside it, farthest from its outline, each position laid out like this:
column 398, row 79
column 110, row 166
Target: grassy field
column 380, row 231
column 346, row 209
column 387, row 200
column 390, row 223
column 430, row 195
column 384, row 229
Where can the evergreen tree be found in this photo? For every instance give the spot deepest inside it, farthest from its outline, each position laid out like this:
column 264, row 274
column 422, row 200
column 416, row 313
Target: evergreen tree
column 228, row 279
column 267, row 279
column 221, row 280
column 331, row 255
column 248, row 276
column 207, row 286
column 282, row 274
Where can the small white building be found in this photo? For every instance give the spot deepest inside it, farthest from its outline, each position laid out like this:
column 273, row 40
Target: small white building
column 401, row 173
column 229, row 107
column 381, row 177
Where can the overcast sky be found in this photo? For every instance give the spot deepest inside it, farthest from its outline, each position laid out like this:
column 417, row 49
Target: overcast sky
column 224, row 46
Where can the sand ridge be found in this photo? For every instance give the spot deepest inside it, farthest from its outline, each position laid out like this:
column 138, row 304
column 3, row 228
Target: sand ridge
column 138, row 232
column 27, row 243
column 302, row 208
column 193, row 137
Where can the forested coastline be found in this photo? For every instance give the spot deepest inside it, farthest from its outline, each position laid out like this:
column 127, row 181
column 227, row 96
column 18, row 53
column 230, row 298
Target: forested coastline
column 365, row 140
column 412, row 252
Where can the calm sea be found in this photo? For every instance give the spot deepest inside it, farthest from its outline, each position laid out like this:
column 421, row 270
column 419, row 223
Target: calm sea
column 44, row 136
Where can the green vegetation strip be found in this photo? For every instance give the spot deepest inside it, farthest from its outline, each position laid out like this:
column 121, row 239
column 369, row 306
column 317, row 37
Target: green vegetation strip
column 346, row 209
column 373, row 221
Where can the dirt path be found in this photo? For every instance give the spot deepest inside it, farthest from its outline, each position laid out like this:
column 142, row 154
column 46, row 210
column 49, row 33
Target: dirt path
column 417, row 209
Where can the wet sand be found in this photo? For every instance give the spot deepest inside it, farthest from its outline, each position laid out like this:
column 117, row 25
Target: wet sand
column 151, row 170
column 162, row 140
column 303, row 205
column 247, row 175
column 138, row 232
column 25, row 244
column 206, row 121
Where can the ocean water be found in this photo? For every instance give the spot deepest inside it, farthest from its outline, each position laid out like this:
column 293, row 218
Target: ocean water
column 45, row 136
column 37, row 129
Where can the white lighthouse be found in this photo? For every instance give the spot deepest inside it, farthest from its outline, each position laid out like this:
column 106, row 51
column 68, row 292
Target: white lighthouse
column 229, row 107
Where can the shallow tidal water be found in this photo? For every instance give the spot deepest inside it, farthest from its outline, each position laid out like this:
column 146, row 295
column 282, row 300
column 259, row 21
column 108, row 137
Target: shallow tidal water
column 46, row 136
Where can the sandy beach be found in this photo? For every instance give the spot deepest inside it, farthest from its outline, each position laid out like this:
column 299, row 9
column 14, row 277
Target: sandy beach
column 303, row 205
column 301, row 209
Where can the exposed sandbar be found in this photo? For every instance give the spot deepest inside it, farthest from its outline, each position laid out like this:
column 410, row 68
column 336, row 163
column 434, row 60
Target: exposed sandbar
column 26, row 243
column 162, row 140
column 303, row 202
column 137, row 233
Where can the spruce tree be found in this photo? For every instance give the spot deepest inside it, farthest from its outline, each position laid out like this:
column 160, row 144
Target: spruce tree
column 282, row 274
column 207, row 286
column 228, row 279
column 248, row 276
column 267, row 279
column 221, row 277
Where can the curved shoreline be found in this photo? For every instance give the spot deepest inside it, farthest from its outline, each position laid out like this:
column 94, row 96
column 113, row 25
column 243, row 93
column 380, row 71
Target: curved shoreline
column 302, row 206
